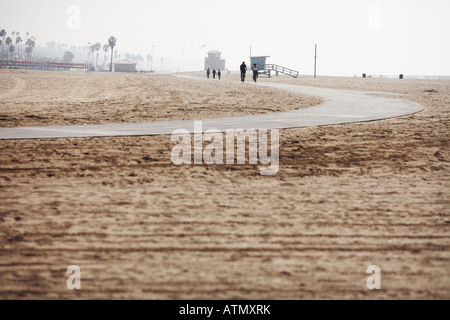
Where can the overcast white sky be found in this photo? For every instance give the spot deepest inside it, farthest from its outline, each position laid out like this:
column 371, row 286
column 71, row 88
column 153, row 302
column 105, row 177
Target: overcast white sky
column 353, row 36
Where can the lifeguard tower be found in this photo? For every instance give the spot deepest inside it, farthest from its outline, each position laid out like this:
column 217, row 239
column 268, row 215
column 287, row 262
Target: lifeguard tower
column 267, row 69
column 214, row 61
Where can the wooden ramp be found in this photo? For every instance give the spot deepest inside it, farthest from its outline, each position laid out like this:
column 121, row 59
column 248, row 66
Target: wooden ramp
column 269, row 68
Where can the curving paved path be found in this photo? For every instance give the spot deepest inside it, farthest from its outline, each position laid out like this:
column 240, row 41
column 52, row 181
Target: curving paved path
column 341, row 107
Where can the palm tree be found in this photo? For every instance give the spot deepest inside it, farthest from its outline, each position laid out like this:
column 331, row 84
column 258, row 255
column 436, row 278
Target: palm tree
column 13, row 34
column 106, row 49
column 11, row 49
column 29, row 51
column 30, row 45
column 112, row 43
column 97, row 47
column 27, row 34
column 3, row 36
column 18, row 41
column 8, row 42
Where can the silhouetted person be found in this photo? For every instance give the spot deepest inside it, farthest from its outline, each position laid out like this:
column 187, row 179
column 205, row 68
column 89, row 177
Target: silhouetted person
column 243, row 71
column 208, row 72
column 214, row 73
column 219, row 74
column 255, row 72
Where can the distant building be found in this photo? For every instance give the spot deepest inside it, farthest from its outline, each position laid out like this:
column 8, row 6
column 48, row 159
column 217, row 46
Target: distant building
column 124, row 66
column 213, row 61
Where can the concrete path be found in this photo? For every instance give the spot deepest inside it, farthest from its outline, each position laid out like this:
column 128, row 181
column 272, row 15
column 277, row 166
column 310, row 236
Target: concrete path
column 341, row 107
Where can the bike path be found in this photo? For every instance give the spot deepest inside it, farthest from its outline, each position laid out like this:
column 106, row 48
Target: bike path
column 340, row 107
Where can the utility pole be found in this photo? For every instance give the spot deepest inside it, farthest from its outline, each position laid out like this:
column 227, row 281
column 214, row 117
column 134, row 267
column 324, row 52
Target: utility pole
column 315, row 62
column 151, row 68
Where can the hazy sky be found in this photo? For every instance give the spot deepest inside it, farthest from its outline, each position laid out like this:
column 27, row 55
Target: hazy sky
column 353, row 36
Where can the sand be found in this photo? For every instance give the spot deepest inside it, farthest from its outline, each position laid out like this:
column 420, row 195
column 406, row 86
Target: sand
column 346, row 197
column 37, row 98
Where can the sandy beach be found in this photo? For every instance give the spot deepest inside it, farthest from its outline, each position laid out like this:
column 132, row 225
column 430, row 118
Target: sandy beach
column 139, row 227
column 39, row 98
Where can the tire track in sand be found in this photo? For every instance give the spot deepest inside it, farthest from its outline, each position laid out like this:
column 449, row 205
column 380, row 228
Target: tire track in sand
column 20, row 85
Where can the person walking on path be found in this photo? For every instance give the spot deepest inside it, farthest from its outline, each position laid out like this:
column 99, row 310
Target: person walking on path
column 243, row 71
column 219, row 74
column 255, row 72
column 208, row 72
column 214, row 73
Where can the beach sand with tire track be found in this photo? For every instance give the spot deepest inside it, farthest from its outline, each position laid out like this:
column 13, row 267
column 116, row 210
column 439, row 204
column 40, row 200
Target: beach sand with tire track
column 37, row 98
column 139, row 227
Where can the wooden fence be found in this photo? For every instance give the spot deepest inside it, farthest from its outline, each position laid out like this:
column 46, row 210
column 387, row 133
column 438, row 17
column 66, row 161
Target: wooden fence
column 41, row 65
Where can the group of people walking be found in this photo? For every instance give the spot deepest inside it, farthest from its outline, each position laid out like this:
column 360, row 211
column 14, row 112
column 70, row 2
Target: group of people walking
column 214, row 73
column 243, row 69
